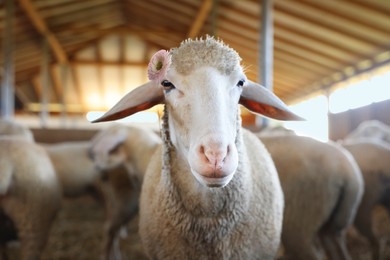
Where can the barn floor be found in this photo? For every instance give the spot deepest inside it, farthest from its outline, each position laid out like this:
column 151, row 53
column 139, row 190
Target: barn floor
column 77, row 235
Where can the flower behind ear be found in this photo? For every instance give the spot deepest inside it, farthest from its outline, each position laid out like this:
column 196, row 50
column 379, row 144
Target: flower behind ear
column 159, row 65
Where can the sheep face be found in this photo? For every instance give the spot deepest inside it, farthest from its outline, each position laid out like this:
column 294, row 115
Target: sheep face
column 203, row 112
column 108, row 150
column 202, row 90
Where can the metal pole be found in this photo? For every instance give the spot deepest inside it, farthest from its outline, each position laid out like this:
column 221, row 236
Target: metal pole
column 64, row 70
column 266, row 53
column 8, row 89
column 45, row 83
column 267, row 44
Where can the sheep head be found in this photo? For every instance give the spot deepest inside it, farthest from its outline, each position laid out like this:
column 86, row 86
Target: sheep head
column 107, row 148
column 201, row 91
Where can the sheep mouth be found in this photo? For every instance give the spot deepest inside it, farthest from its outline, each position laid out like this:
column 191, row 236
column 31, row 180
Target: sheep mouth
column 213, row 181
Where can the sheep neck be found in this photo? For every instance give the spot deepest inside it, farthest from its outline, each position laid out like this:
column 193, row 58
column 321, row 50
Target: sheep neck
column 208, row 201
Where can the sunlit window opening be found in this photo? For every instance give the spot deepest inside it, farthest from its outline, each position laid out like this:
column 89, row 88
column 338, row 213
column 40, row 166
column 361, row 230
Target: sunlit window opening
column 315, row 112
column 361, row 93
column 353, row 94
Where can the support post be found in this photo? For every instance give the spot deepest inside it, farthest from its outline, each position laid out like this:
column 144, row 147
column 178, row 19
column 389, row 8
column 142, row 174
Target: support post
column 7, row 87
column 64, row 71
column 266, row 53
column 44, row 114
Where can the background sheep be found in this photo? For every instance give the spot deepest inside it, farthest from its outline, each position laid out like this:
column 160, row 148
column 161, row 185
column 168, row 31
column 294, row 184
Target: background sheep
column 370, row 129
column 30, row 195
column 322, row 186
column 373, row 159
column 14, row 128
column 79, row 176
column 121, row 197
column 122, row 146
column 130, row 146
column 275, row 130
column 74, row 168
column 211, row 191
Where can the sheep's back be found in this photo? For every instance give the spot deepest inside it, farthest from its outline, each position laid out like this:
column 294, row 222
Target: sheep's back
column 314, row 177
column 34, row 187
column 30, row 165
column 373, row 159
column 74, row 168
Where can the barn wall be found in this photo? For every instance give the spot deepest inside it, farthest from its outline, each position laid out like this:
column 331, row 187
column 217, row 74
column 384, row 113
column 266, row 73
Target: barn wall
column 42, row 135
column 341, row 124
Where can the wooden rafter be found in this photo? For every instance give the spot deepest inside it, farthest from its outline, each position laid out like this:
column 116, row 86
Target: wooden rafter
column 200, row 19
column 108, row 63
column 41, row 26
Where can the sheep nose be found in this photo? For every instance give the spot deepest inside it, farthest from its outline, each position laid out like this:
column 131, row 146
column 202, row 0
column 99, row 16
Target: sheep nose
column 215, row 155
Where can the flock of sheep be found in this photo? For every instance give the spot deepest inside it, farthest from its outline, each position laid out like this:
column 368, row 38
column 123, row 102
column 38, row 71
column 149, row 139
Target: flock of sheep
column 205, row 188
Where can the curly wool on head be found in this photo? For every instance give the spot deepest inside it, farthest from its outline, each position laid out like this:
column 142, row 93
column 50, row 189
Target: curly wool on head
column 192, row 54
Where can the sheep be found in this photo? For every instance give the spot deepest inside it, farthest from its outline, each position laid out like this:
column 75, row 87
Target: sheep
column 121, row 195
column 14, row 128
column 130, row 146
column 122, row 146
column 75, row 170
column 370, row 129
column 79, row 176
column 373, row 159
column 211, row 190
column 275, row 130
column 30, row 194
column 322, row 187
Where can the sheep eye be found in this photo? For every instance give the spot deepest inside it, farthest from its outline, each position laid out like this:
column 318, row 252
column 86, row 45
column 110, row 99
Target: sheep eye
column 167, row 85
column 240, row 83
column 114, row 149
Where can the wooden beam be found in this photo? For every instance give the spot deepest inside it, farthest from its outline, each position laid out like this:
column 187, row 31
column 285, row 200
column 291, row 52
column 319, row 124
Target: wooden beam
column 109, row 63
column 200, row 18
column 41, row 26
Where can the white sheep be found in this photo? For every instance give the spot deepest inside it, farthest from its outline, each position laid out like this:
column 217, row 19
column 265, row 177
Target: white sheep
column 275, row 130
column 74, row 168
column 322, row 187
column 211, row 191
column 14, row 128
column 121, row 197
column 122, row 146
column 130, row 146
column 30, row 195
column 373, row 159
column 79, row 176
column 370, row 129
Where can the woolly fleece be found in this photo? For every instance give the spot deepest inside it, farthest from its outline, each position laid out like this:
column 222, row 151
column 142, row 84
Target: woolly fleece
column 196, row 53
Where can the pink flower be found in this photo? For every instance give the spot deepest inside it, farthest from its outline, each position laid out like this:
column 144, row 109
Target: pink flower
column 159, row 65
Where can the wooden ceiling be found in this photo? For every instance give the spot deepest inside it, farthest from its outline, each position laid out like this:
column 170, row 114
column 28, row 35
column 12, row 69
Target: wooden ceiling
column 316, row 43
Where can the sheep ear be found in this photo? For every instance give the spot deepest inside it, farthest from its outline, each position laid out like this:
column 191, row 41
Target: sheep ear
column 108, row 140
column 141, row 98
column 260, row 100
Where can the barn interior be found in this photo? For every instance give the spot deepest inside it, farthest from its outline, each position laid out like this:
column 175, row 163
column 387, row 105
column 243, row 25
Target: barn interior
column 65, row 62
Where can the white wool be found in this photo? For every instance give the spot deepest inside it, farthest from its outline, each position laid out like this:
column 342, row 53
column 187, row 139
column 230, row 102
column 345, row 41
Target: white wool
column 31, row 194
column 204, row 52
